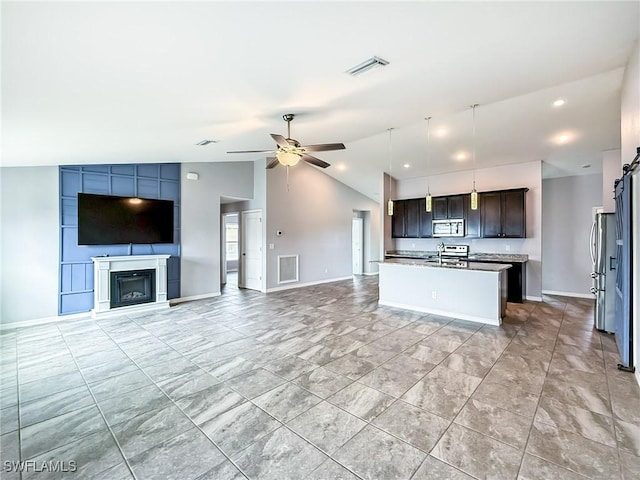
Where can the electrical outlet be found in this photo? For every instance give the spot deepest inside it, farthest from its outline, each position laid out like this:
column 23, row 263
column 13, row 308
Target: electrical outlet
column 434, row 295
column 271, row 246
column 508, row 248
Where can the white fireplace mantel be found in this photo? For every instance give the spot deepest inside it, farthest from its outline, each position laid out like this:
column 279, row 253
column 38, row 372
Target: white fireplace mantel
column 102, row 268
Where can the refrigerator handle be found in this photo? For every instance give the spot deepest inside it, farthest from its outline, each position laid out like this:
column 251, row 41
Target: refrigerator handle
column 612, row 265
column 592, row 243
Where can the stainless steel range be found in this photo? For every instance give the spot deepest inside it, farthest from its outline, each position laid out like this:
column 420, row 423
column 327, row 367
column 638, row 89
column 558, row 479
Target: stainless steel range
column 453, row 255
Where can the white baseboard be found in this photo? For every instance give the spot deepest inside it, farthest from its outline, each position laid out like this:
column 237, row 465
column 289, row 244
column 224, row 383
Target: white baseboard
column 568, row 294
column 307, row 284
column 637, row 375
column 175, row 301
column 45, row 320
column 371, row 273
column 531, row 298
column 442, row 313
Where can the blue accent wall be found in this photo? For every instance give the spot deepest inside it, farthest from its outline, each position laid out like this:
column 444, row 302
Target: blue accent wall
column 160, row 181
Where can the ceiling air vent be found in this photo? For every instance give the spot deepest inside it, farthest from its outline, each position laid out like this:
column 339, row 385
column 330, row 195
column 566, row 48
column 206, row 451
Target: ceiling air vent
column 373, row 62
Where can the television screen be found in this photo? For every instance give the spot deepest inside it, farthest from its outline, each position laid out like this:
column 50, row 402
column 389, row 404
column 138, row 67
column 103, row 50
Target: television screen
column 111, row 220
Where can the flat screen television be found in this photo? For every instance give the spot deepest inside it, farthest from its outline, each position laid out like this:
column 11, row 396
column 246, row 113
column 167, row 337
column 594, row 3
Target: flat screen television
column 112, row 220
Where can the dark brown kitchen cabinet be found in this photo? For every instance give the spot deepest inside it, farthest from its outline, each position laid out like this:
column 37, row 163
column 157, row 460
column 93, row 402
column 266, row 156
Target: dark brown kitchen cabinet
column 450, row 207
column 425, row 220
column 406, row 218
column 503, row 214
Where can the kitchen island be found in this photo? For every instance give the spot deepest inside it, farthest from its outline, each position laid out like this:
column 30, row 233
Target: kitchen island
column 458, row 289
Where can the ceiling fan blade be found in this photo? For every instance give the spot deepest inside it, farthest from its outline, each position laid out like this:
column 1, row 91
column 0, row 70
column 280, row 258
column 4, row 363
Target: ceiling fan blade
column 324, row 147
column 315, row 161
column 251, row 151
column 273, row 161
column 280, row 140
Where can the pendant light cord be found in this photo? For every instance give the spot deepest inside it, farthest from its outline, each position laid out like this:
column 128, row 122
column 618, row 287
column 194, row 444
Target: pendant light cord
column 428, row 159
column 473, row 109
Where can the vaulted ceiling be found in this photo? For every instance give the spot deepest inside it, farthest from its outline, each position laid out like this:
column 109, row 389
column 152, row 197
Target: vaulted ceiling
column 121, row 82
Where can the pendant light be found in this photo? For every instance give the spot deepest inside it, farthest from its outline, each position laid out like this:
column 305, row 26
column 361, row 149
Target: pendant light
column 474, row 193
column 390, row 202
column 428, row 199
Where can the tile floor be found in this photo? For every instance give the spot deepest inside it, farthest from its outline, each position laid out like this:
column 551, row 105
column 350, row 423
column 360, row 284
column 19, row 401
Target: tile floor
column 320, row 383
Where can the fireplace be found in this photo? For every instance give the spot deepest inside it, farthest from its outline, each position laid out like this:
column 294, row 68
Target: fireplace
column 129, row 283
column 133, row 287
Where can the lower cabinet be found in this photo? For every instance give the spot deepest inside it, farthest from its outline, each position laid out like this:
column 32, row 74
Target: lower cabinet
column 516, row 281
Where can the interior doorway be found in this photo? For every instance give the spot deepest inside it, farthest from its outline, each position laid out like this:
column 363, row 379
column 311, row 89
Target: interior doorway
column 357, row 241
column 251, row 248
column 230, row 249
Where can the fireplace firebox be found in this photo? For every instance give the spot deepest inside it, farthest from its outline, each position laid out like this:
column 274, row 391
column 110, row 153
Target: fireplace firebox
column 133, row 287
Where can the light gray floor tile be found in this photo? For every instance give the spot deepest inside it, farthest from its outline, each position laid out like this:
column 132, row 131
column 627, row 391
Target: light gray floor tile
column 322, row 382
column 512, row 399
column 290, row 367
column 122, row 408
column 433, row 397
column 362, row 401
column 209, row 403
column 187, row 384
column 630, row 465
column 166, row 370
column 236, row 429
column 586, row 397
column 432, row 469
column 330, row 470
column 223, row 471
column 591, row 425
column 535, row 468
column 572, row 451
column 119, row 385
column 53, row 405
column 495, row 422
column 286, row 401
column 427, row 354
column 476, row 454
column 93, row 454
column 280, row 455
column 351, row 366
column 397, row 375
column 9, row 419
column 374, row 454
column 628, row 435
column 149, row 429
column 9, row 452
column 117, row 472
column 61, row 430
column 255, row 383
column 413, row 425
column 326, row 426
column 187, row 455
column 47, row 386
column 457, row 381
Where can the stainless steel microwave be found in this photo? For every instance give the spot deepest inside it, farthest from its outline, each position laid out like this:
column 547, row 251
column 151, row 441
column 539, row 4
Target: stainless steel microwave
column 448, row 228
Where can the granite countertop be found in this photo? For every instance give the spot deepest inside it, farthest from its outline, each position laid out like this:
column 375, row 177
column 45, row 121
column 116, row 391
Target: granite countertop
column 478, row 257
column 455, row 264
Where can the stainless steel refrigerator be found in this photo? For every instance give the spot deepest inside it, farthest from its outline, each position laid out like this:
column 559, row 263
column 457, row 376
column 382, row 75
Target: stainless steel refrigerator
column 603, row 256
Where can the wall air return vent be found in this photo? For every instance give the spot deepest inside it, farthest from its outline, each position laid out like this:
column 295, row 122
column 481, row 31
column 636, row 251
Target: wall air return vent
column 287, row 268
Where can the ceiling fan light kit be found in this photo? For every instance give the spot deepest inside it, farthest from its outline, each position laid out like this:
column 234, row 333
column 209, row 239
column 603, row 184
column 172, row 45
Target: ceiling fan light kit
column 289, row 151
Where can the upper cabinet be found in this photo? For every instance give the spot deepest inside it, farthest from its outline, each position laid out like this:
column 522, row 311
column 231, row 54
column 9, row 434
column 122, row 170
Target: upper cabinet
column 410, row 220
column 503, row 214
column 451, row 207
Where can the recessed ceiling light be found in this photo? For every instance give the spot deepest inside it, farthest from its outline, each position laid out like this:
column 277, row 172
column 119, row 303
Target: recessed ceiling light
column 558, row 103
column 441, row 132
column 341, row 167
column 406, row 165
column 460, row 156
column 563, row 138
column 585, row 165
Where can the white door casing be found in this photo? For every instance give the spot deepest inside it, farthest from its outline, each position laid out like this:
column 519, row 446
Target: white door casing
column 251, row 258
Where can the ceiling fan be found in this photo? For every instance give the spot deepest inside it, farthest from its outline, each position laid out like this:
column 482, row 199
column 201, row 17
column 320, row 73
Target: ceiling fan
column 289, row 151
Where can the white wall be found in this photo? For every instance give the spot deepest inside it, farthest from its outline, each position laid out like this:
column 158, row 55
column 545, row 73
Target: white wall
column 567, row 203
column 315, row 216
column 201, row 221
column 496, row 178
column 611, row 170
column 30, row 243
column 630, row 136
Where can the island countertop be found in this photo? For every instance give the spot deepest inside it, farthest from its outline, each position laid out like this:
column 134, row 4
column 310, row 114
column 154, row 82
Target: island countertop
column 477, row 257
column 455, row 264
